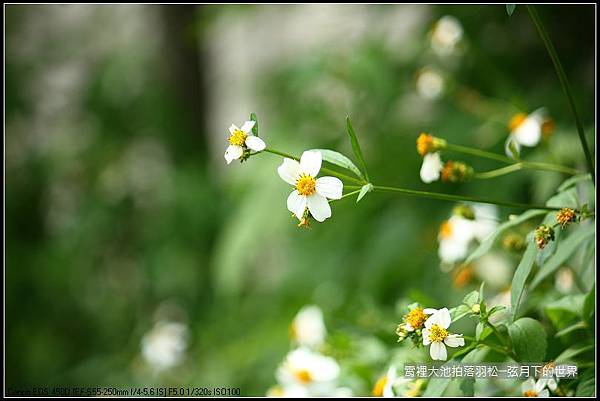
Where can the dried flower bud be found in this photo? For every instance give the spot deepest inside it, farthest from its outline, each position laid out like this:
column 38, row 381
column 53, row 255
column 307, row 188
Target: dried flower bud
column 456, row 172
column 543, row 235
column 565, row 216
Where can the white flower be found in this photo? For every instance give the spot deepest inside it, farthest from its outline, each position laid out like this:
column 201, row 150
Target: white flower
column 164, row 346
column 532, row 388
column 564, row 280
column 315, row 373
column 429, row 84
column 549, row 378
column 308, row 327
column 240, row 138
column 384, row 387
column 436, row 334
column 526, row 130
column 447, row 32
column 309, row 191
column 431, row 168
column 486, row 220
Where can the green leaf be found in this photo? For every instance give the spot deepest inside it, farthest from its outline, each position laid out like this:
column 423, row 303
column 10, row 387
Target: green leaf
column 587, row 384
column 572, row 352
column 467, row 386
column 568, row 183
column 529, row 339
column 436, row 387
column 459, row 312
column 471, row 298
column 564, row 250
column 566, row 198
column 520, row 277
column 340, row 160
column 589, row 306
column 571, row 328
column 255, row 128
column 488, row 242
column 356, row 147
column 510, row 9
column 363, row 191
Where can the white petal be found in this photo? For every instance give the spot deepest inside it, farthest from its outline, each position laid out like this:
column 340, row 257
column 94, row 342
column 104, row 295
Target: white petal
column 232, row 128
column 511, row 141
column 544, row 393
column 330, row 187
column 429, row 311
column 529, row 132
column 452, row 251
column 247, row 126
column 310, row 162
column 431, row 167
column 454, row 340
column 425, row 334
column 233, row 152
column 408, row 327
column 255, row 143
column 444, row 318
column 539, row 385
column 289, row 171
column 528, row 385
column 319, row 207
column 438, row 351
column 296, row 204
column 552, row 384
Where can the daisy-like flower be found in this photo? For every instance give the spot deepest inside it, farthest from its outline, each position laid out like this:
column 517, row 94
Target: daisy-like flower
column 309, row 191
column 164, row 346
column 446, row 34
column 527, row 130
column 384, row 386
column 308, row 327
column 437, row 336
column 241, row 139
column 549, row 378
column 531, row 388
column 314, row 373
column 431, row 168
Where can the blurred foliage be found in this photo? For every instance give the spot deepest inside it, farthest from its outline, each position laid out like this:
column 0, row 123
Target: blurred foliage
column 115, row 211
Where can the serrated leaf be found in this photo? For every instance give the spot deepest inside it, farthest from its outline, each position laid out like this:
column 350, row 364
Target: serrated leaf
column 510, row 9
column 363, row 191
column 255, row 128
column 564, row 250
column 520, row 276
column 488, row 242
column 528, row 339
column 356, row 147
column 333, row 157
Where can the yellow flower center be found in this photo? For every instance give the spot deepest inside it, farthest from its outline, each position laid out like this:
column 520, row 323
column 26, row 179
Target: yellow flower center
column 416, row 318
column 379, row 386
column 303, row 376
column 437, row 333
column 530, row 393
column 238, row 138
column 445, row 230
column 306, row 185
column 516, row 120
column 424, row 143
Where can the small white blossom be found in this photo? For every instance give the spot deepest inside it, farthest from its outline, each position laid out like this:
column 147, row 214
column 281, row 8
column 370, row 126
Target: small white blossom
column 308, row 327
column 447, row 33
column 309, row 192
column 430, row 84
column 241, row 138
column 526, row 130
column 437, row 336
column 431, row 168
column 384, row 387
column 164, row 346
column 531, row 388
column 307, row 371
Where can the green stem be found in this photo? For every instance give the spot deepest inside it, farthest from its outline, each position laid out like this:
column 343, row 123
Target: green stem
column 324, row 169
column 499, row 172
column 460, row 198
column 345, row 195
column 562, row 77
column 504, row 159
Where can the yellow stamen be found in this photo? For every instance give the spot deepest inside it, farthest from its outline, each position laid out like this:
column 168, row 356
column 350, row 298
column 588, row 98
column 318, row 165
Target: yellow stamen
column 424, row 143
column 238, row 138
column 445, row 230
column 306, row 185
column 379, row 386
column 416, row 318
column 516, row 121
column 530, row 393
column 437, row 333
column 303, row 376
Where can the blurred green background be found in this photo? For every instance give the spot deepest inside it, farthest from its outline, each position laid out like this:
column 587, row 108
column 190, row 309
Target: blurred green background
column 121, row 211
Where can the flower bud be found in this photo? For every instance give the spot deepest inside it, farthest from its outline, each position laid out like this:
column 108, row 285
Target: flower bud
column 543, row 235
column 476, row 308
column 456, row 172
column 429, row 144
column 565, row 216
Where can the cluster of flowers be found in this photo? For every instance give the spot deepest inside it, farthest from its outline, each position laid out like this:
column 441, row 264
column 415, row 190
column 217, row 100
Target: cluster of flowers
column 429, row 326
column 309, row 197
column 306, row 372
column 545, row 233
